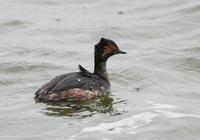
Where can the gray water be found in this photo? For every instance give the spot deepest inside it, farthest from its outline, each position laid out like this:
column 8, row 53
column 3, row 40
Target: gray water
column 155, row 87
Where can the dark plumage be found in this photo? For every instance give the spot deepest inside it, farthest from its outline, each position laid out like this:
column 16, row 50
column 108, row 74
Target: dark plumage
column 82, row 85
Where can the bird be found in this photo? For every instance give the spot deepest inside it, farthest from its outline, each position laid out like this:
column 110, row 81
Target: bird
column 82, row 85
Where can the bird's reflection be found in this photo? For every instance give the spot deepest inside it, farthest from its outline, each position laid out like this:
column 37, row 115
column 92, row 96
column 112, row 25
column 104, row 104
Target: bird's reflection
column 88, row 108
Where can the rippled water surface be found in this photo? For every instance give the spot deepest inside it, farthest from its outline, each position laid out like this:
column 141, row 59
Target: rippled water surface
column 155, row 87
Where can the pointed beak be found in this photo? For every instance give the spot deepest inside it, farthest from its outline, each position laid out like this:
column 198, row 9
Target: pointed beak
column 121, row 52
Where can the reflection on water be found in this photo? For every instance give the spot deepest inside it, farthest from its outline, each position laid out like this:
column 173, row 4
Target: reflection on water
column 102, row 104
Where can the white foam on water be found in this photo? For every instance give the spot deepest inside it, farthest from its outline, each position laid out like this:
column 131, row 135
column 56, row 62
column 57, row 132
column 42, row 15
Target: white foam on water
column 105, row 139
column 73, row 137
column 161, row 108
column 127, row 125
column 160, row 105
column 170, row 114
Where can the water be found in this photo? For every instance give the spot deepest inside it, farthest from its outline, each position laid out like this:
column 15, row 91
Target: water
column 155, row 87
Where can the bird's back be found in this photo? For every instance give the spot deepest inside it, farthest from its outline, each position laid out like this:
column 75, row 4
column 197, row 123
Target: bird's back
column 73, row 87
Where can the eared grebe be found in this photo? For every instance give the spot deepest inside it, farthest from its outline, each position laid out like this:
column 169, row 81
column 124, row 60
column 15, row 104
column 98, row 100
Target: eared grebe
column 82, row 85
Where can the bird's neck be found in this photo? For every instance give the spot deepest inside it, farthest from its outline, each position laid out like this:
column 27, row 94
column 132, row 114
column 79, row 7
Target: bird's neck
column 101, row 71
